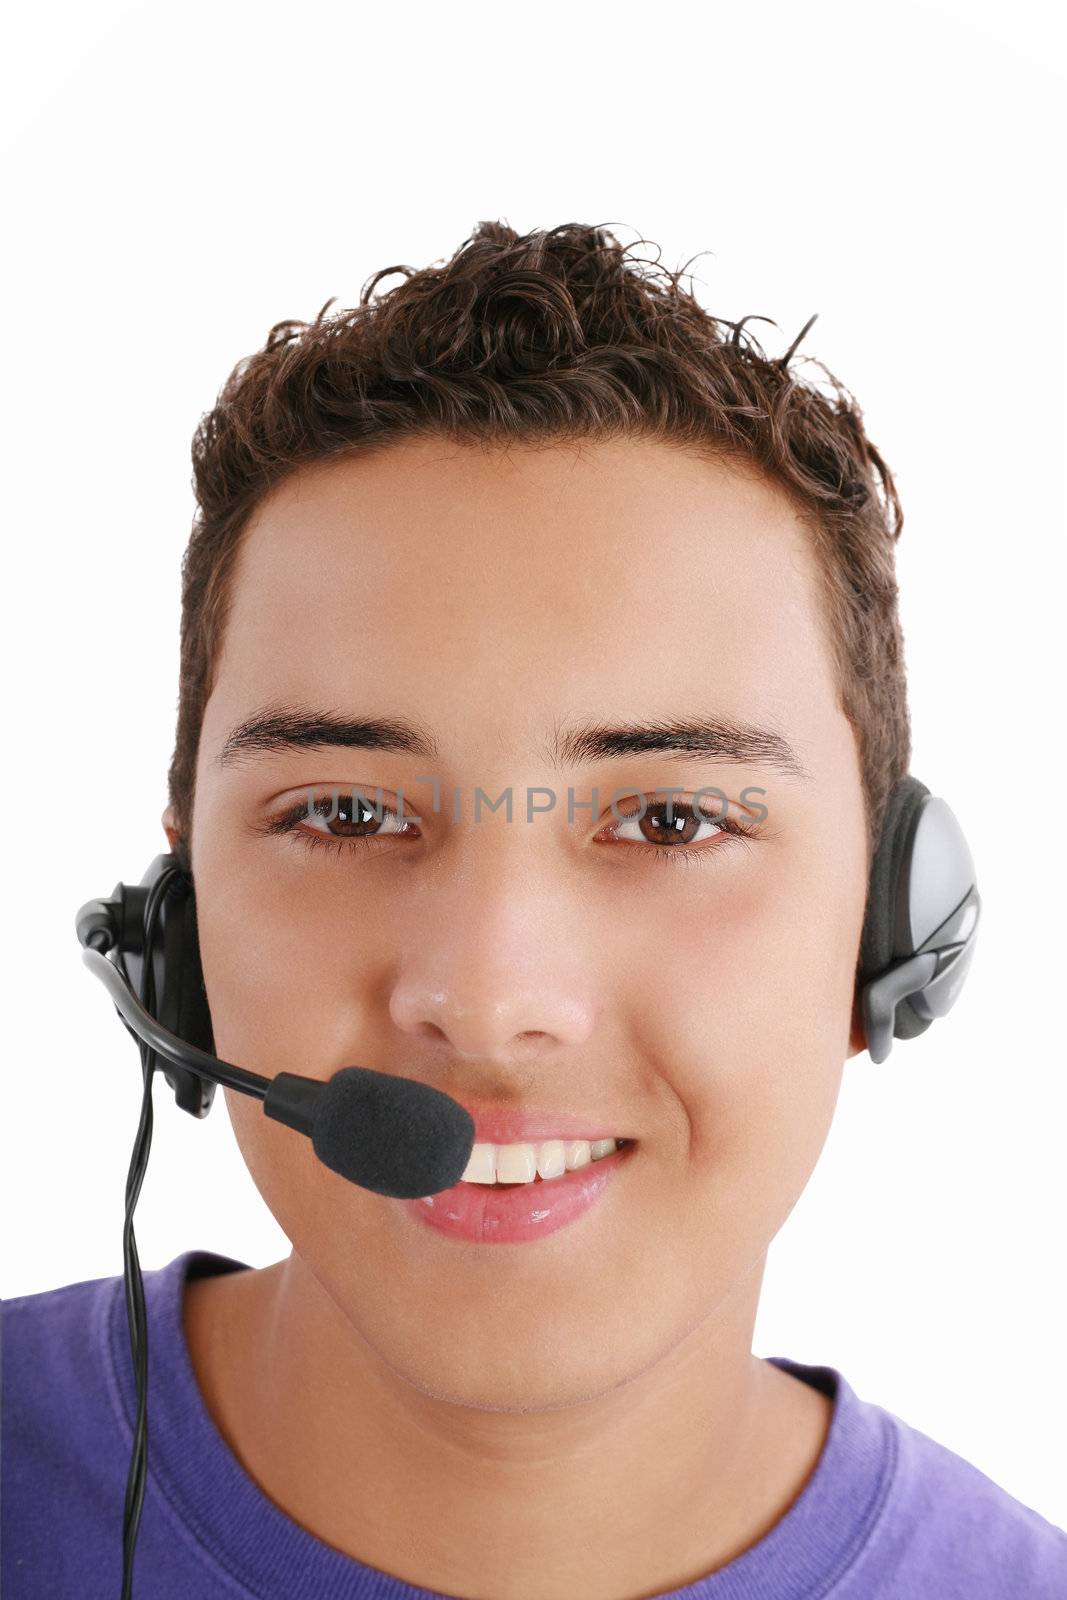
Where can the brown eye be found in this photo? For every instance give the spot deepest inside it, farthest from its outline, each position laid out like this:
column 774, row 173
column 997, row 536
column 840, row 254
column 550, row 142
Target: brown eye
column 352, row 818
column 670, row 826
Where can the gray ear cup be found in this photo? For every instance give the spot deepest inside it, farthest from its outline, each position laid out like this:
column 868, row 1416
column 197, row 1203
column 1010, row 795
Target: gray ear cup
column 921, row 918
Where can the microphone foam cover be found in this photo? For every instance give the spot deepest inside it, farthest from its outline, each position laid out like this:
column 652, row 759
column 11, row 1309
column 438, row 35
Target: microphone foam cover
column 391, row 1135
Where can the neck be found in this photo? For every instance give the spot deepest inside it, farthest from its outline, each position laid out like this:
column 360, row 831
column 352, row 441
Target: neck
column 642, row 1489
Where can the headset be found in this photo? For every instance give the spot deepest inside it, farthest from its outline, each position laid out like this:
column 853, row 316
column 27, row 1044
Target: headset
column 398, row 1137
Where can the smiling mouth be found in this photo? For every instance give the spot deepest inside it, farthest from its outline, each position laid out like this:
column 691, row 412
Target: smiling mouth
column 621, row 1145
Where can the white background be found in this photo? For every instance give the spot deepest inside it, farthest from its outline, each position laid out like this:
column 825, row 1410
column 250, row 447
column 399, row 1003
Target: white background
column 180, row 178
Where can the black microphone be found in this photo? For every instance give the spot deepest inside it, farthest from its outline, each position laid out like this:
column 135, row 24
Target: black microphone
column 392, row 1135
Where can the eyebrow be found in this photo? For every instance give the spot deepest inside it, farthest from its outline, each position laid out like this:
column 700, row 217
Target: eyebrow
column 704, row 738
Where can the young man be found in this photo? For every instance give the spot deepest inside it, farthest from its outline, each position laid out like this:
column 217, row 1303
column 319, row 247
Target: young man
column 531, row 522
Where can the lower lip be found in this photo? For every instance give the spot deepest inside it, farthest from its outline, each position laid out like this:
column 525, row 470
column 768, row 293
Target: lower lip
column 482, row 1214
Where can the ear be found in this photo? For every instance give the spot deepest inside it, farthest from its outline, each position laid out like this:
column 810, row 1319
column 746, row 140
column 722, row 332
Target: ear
column 857, row 1039
column 170, row 828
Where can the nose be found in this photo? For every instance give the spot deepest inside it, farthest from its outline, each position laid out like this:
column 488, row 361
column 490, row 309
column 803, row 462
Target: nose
column 501, row 1021
column 496, row 975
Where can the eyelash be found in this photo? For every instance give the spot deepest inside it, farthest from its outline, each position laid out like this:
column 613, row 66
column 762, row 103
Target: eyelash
column 734, row 831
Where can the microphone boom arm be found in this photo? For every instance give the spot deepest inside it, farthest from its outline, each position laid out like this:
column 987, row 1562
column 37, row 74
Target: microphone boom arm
column 179, row 1052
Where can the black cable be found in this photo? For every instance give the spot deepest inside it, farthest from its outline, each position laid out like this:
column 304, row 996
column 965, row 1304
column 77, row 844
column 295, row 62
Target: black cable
column 136, row 1315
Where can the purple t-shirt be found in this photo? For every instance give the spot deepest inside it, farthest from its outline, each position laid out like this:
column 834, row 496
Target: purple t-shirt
column 887, row 1514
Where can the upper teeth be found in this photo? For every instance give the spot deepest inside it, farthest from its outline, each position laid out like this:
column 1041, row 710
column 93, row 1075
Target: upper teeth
column 522, row 1163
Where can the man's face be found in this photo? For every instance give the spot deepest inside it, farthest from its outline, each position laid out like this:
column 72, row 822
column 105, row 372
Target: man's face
column 701, row 1004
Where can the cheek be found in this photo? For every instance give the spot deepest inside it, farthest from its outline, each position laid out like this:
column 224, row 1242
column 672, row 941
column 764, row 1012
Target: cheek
column 282, row 966
column 316, row 1210
column 746, row 1032
column 277, row 1158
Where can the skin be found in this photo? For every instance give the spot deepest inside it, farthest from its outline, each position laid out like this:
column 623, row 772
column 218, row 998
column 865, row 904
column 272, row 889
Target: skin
column 583, row 1414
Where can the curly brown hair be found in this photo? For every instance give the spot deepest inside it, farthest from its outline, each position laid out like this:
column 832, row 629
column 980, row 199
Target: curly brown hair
column 553, row 335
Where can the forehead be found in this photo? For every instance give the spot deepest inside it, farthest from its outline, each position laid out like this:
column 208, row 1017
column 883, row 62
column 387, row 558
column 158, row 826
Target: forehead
column 489, row 591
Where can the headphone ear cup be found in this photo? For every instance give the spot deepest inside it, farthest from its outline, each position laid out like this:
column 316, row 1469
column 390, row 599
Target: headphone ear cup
column 908, row 1024
column 181, row 999
column 920, row 921
column 194, row 1017
column 881, row 923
